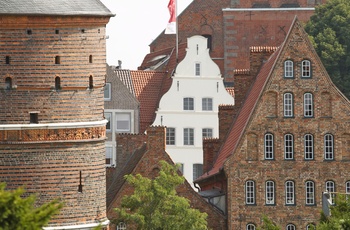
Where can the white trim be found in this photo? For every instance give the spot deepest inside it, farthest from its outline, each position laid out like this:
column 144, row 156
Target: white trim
column 81, row 226
column 54, row 125
column 270, row 9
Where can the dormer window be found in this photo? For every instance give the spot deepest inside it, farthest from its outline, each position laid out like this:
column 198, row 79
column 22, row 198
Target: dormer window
column 8, row 83
column 197, row 69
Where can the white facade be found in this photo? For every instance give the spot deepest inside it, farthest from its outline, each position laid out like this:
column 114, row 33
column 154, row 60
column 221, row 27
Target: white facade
column 189, row 109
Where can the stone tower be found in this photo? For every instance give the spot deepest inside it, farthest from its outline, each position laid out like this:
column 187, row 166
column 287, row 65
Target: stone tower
column 52, row 129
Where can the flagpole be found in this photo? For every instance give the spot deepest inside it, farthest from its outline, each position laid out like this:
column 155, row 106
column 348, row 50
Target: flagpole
column 177, row 34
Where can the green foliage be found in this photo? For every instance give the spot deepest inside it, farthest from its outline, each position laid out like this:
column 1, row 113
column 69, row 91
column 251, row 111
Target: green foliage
column 330, row 31
column 155, row 204
column 19, row 213
column 340, row 215
column 268, row 224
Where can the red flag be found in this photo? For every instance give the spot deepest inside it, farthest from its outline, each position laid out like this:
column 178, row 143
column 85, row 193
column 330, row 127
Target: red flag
column 171, row 27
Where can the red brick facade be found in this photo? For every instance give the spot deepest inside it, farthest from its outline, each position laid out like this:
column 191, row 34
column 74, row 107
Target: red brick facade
column 52, row 74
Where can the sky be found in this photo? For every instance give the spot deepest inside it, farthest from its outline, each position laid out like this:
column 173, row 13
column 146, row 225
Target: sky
column 135, row 25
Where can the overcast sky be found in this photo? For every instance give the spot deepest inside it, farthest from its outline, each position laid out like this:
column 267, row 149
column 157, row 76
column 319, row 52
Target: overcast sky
column 135, row 25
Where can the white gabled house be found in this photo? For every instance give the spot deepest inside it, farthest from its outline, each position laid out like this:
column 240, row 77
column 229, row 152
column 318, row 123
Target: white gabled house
column 189, row 109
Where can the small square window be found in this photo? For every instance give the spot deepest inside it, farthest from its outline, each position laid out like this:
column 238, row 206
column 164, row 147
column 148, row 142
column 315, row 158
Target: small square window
column 207, row 104
column 7, row 60
column 29, row 32
column 57, row 31
column 34, row 118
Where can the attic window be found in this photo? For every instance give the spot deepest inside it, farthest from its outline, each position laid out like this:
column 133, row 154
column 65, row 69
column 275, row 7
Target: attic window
column 198, row 69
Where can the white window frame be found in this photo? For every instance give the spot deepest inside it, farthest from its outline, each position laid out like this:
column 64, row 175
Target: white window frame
column 347, row 187
column 288, row 146
column 309, row 192
column 108, row 117
column 250, row 192
column 290, row 192
column 188, row 103
column 288, row 69
column 207, row 104
column 207, row 133
column 188, row 136
column 170, row 136
column 110, row 151
column 290, row 227
column 328, row 147
column 330, row 187
column 250, row 227
column 308, row 146
column 107, row 87
column 121, row 226
column 269, row 192
column 268, row 146
column 308, row 105
column 305, row 69
column 288, row 105
column 197, row 69
column 118, row 129
column 197, row 170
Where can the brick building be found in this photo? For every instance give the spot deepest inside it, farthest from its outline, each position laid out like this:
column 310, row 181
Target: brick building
column 288, row 143
column 52, row 129
column 232, row 26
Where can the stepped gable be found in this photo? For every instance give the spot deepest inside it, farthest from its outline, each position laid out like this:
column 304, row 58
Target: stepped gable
column 242, row 119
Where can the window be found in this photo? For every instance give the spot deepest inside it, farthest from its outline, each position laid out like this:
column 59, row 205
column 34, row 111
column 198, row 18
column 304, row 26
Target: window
column 181, row 167
column 328, row 147
column 188, row 103
column 288, row 147
column 308, row 105
column 311, row 227
column 209, row 40
column 34, row 118
column 330, row 187
column 270, row 192
column 109, row 155
column 170, row 136
column 197, row 69
column 306, row 68
column 7, row 60
column 123, row 122
column 57, row 60
column 90, row 59
column 8, row 83
column 207, row 104
column 288, row 69
column 288, row 105
column 250, row 192
column 289, row 188
column 107, row 92
column 57, row 83
column 121, row 226
column 347, row 187
column 188, row 136
column 29, row 32
column 250, row 227
column 309, row 193
column 268, row 146
column 57, row 31
column 91, row 82
column 290, row 227
column 108, row 117
column 197, row 170
column 207, row 133
column 308, row 147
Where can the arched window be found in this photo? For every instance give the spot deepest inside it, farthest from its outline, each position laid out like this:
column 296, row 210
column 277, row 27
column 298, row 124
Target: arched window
column 330, row 187
column 290, row 227
column 308, row 147
column 328, row 147
column 288, row 69
column 288, row 147
column 290, row 195
column 57, row 83
column 121, row 226
column 8, row 83
column 250, row 192
column 270, row 192
column 288, row 105
column 250, row 227
column 308, row 105
column 306, row 68
column 268, row 146
column 309, row 193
